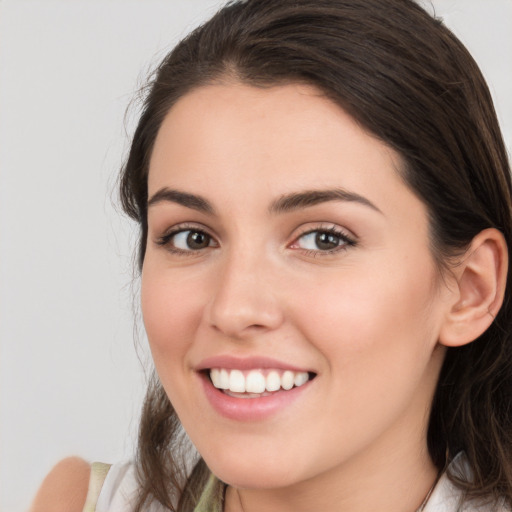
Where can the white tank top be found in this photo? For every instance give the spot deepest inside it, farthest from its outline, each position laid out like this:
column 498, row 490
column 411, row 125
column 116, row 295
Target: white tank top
column 114, row 488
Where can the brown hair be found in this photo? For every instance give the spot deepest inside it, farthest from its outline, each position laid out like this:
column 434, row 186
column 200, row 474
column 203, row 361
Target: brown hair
column 408, row 80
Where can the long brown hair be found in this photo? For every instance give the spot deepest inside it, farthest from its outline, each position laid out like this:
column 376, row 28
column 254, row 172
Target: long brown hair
column 409, row 81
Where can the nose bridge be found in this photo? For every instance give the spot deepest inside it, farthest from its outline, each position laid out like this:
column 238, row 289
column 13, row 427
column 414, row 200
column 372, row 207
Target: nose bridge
column 245, row 297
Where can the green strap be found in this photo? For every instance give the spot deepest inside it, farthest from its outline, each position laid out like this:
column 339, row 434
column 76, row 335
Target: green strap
column 99, row 472
column 212, row 498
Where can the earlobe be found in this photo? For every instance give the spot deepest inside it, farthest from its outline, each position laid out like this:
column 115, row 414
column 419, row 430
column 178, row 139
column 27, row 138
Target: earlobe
column 479, row 289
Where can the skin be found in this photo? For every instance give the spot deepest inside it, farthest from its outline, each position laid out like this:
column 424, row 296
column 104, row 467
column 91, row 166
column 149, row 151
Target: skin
column 365, row 319
column 65, row 488
column 370, row 317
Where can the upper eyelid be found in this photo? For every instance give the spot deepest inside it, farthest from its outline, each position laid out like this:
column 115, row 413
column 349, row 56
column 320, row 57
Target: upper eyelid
column 327, row 227
column 186, row 226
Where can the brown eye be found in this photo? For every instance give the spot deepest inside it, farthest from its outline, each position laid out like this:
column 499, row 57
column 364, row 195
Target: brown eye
column 319, row 240
column 197, row 240
column 188, row 240
column 325, row 241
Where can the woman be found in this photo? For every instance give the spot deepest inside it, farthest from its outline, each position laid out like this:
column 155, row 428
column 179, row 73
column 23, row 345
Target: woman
column 324, row 200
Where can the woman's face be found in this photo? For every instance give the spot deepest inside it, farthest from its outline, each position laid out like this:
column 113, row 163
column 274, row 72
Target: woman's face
column 285, row 250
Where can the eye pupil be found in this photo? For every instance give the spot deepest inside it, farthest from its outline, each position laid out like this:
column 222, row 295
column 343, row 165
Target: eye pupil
column 198, row 240
column 326, row 240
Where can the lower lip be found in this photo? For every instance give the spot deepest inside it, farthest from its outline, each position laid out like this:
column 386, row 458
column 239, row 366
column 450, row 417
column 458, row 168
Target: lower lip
column 250, row 409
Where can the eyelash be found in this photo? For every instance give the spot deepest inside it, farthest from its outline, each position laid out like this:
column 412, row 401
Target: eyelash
column 165, row 240
column 345, row 241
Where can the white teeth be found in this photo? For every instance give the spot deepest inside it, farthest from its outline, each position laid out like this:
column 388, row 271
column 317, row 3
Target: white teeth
column 223, row 379
column 255, row 381
column 215, row 376
column 300, row 378
column 220, row 378
column 273, row 381
column 287, row 380
column 237, row 381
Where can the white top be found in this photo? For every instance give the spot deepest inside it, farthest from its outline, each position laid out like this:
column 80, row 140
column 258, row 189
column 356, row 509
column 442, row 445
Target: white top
column 120, row 487
column 119, row 491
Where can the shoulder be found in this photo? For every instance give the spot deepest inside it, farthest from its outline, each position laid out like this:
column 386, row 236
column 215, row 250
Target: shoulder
column 448, row 497
column 65, row 488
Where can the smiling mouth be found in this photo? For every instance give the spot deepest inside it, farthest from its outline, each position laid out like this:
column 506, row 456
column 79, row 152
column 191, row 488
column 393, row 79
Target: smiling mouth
column 256, row 383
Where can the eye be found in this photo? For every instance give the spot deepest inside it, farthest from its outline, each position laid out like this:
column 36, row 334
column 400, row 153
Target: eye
column 183, row 240
column 323, row 240
column 191, row 240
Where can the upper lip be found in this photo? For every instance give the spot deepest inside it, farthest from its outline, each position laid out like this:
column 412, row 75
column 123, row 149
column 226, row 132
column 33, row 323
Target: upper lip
column 246, row 363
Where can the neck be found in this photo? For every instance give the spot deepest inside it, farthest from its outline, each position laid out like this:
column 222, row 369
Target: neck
column 375, row 481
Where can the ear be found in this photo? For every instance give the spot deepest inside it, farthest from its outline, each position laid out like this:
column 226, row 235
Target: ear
column 479, row 289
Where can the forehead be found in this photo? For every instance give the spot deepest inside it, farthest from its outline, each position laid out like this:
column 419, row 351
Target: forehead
column 213, row 109
column 238, row 140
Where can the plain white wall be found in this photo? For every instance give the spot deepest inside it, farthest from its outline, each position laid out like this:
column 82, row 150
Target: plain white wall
column 70, row 379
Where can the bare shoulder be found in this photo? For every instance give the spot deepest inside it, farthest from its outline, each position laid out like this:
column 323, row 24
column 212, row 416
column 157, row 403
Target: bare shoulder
column 65, row 487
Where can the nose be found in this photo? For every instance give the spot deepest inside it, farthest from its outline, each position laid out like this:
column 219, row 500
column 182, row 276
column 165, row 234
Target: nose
column 245, row 299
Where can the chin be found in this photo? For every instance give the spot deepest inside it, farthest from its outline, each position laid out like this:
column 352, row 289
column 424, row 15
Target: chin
column 255, row 475
column 257, row 481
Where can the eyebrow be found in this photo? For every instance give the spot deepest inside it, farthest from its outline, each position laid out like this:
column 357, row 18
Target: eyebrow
column 295, row 201
column 285, row 203
column 192, row 201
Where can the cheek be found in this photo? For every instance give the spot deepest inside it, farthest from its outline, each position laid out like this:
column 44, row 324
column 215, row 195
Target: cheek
column 377, row 338
column 372, row 322
column 170, row 312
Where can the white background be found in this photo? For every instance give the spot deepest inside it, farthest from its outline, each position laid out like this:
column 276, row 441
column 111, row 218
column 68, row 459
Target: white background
column 70, row 378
